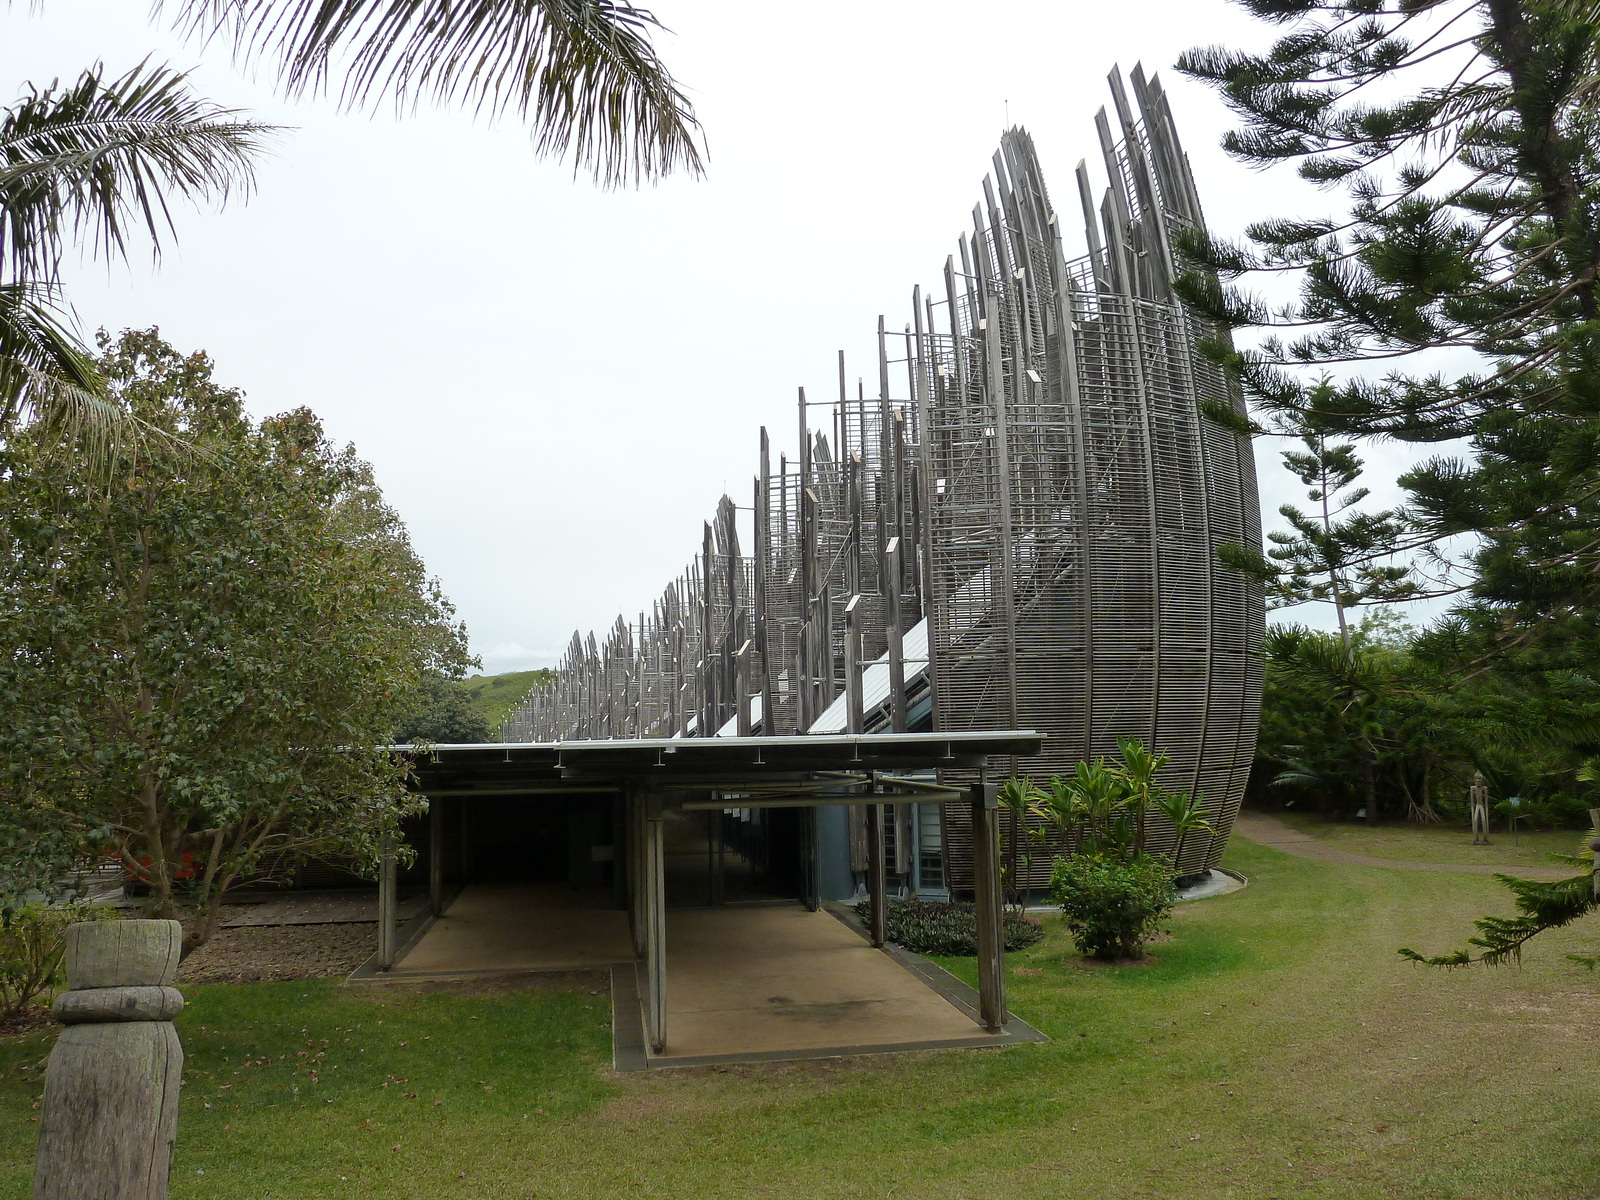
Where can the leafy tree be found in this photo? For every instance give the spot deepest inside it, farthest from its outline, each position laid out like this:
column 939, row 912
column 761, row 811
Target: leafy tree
column 443, row 712
column 97, row 160
column 204, row 658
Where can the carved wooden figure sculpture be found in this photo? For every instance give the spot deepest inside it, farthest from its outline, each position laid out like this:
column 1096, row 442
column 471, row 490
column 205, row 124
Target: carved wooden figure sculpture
column 1478, row 796
column 111, row 1091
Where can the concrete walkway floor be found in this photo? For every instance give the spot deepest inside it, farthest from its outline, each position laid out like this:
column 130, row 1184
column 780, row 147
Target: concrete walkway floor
column 765, row 981
column 521, row 927
column 744, row 983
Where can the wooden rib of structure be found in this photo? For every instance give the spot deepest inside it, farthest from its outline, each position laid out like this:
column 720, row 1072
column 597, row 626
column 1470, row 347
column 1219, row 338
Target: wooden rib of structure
column 1016, row 530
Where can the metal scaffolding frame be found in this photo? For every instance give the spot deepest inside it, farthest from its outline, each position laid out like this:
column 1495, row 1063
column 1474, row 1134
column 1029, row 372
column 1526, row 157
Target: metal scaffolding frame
column 1036, row 479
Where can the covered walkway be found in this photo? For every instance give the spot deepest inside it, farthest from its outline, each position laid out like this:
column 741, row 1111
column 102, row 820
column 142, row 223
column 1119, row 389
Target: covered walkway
column 743, row 983
column 721, row 982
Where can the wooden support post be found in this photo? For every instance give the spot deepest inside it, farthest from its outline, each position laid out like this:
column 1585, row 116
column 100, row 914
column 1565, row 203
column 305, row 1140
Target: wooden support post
column 853, row 665
column 897, row 658
column 877, row 880
column 655, row 927
column 811, row 883
column 110, row 1113
column 991, row 945
column 386, row 903
column 436, row 856
column 741, row 671
column 633, row 804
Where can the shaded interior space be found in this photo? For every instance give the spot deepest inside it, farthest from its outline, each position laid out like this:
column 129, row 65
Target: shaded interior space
column 775, row 979
column 734, row 856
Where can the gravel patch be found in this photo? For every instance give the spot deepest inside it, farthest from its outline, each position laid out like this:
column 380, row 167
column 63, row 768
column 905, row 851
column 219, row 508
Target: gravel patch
column 268, row 953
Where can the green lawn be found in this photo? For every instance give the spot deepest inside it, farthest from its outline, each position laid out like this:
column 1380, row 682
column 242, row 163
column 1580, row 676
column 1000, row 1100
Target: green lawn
column 1439, row 843
column 1278, row 1047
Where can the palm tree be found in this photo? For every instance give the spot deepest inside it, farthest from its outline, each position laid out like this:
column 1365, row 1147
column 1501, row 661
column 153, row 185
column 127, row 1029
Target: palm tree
column 96, row 162
column 102, row 159
column 581, row 73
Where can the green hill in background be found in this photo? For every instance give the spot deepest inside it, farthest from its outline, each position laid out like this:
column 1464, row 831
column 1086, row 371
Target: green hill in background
column 493, row 695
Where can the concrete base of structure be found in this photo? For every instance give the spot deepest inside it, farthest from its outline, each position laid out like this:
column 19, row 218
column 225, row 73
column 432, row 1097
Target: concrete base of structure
column 744, row 983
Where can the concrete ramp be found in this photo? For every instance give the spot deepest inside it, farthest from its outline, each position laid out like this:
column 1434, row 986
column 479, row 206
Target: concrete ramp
column 770, row 981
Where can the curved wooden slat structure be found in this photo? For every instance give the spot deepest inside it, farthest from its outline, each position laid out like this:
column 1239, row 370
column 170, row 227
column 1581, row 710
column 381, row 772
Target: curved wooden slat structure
column 1035, row 487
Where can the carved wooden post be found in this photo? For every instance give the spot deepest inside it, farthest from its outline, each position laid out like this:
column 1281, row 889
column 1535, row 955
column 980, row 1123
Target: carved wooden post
column 111, row 1091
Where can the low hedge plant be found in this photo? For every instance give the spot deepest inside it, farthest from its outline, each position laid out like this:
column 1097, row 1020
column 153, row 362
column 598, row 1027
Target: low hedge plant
column 1112, row 906
column 947, row 926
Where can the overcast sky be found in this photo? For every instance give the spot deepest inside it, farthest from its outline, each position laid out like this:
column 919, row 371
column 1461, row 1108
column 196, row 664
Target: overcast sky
column 555, row 384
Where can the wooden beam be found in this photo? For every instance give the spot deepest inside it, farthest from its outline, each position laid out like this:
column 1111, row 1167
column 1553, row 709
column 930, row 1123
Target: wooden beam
column 655, row 927
column 853, row 666
column 991, row 944
column 877, row 881
column 386, row 903
column 897, row 659
column 436, row 857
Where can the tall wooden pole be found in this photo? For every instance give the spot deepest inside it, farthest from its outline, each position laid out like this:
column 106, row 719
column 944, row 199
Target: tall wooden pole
column 991, row 946
column 436, row 856
column 655, row 926
column 877, row 879
column 386, row 903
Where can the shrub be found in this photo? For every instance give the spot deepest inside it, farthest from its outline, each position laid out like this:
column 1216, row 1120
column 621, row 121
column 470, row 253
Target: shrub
column 33, row 940
column 1112, row 908
column 947, row 927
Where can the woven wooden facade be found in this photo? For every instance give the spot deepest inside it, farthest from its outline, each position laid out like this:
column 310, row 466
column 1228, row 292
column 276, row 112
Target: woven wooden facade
column 1032, row 472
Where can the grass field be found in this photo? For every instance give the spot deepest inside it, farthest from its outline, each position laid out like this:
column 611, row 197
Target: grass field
column 493, row 695
column 1276, row 1048
column 1439, row 843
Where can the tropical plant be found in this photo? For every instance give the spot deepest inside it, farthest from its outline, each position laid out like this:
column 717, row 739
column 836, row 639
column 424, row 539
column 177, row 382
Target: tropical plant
column 101, row 159
column 205, row 659
column 1104, row 806
column 1112, row 906
column 1186, row 814
column 1092, row 803
column 1021, row 799
column 95, row 162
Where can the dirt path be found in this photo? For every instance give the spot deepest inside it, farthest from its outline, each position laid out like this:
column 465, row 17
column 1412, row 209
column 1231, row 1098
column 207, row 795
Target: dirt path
column 1267, row 830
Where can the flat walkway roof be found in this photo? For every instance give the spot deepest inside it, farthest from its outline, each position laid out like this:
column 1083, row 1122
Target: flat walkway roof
column 609, row 764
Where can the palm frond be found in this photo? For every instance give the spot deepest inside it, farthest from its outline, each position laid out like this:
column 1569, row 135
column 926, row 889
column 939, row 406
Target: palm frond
column 46, row 376
column 98, row 160
column 582, row 73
